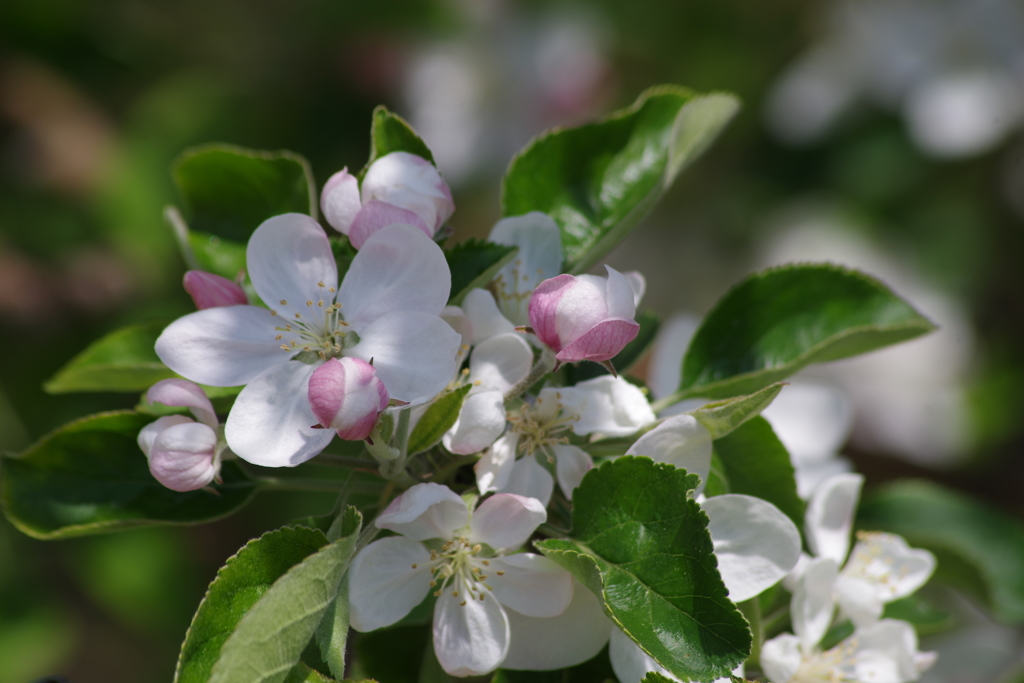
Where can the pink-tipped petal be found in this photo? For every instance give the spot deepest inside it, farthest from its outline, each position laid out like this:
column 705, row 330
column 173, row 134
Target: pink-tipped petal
column 340, row 200
column 181, row 457
column 425, row 511
column 209, row 291
column 376, row 215
column 410, row 182
column 601, row 342
column 506, row 520
column 184, row 394
column 346, row 396
column 544, row 309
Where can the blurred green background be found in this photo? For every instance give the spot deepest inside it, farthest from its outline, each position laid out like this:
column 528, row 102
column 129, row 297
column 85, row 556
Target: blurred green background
column 881, row 133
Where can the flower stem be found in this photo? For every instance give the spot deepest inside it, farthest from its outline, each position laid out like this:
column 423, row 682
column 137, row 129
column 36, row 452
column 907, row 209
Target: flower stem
column 545, row 364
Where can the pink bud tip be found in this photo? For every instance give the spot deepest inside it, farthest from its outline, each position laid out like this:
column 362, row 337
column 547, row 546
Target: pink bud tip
column 346, row 396
column 209, row 291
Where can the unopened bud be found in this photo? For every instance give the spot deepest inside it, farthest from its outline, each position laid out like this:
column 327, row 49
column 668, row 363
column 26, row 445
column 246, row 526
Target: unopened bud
column 346, row 396
column 210, row 291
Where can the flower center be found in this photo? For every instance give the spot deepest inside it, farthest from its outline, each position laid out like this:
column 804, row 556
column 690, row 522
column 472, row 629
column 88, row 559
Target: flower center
column 458, row 568
column 541, row 426
column 837, row 665
column 316, row 329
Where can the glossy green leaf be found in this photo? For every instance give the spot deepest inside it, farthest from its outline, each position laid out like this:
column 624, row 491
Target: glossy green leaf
column 89, row 476
column 597, row 181
column 217, row 255
column 438, row 419
column 269, row 638
column 722, row 417
column 718, row 483
column 756, row 463
column 641, row 543
column 473, row 264
column 123, row 360
column 655, row 677
column 779, row 320
column 650, row 323
column 389, row 133
column 228, row 191
column 301, row 673
column 239, row 585
column 960, row 531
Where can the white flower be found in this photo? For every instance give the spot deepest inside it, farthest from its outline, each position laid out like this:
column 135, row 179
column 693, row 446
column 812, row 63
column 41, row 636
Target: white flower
column 539, row 258
column 183, row 455
column 607, row 405
column 398, row 188
column 466, row 560
column 386, row 309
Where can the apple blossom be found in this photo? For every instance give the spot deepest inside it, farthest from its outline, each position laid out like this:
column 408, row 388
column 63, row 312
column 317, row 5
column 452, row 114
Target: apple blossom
column 385, row 309
column 584, row 317
column 607, row 405
column 536, row 236
column 208, row 290
column 183, row 454
column 346, row 396
column 469, row 561
column 398, row 188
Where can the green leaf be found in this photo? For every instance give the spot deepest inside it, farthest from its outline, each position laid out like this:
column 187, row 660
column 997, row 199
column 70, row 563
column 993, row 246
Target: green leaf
column 89, row 476
column 217, row 255
column 779, row 320
column 437, row 420
column 757, row 464
column 239, row 585
column 595, row 670
column 641, row 543
column 655, row 677
column 269, row 639
column 718, row 483
column 960, row 531
column 390, row 133
column 123, row 360
column 393, row 655
column 332, row 633
column 921, row 612
column 650, row 323
column 228, row 191
column 301, row 673
column 597, row 181
column 722, row 417
column 473, row 264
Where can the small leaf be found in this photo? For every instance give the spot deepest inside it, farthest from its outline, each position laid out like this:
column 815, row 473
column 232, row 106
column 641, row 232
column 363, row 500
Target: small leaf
column 655, row 677
column 217, row 255
column 390, row 133
column 779, row 320
column 722, row 417
column 641, row 543
column 757, row 464
column 90, row 476
column 650, row 323
column 228, row 191
column 961, row 531
column 473, row 264
column 269, row 638
column 437, row 420
column 597, row 181
column 123, row 360
column 332, row 632
column 301, row 673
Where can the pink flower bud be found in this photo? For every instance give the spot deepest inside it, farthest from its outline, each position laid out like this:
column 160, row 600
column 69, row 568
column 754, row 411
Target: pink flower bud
column 182, row 454
column 346, row 396
column 209, row 291
column 411, row 183
column 584, row 317
column 340, row 200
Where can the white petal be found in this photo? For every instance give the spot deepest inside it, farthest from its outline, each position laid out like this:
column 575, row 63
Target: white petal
column 413, row 353
column 529, row 478
column 481, row 421
column 383, row 586
column 620, row 295
column 339, row 200
column 812, row 604
column 270, row 423
column 148, row 434
column 607, row 405
column 288, row 258
column 629, row 662
column 666, row 365
column 506, row 520
column 460, row 322
column 810, row 475
column 571, row 464
column 539, row 258
column 884, row 567
column 858, row 600
column 500, row 362
column 829, row 516
column 882, row 653
column 397, row 269
column 780, row 657
column 531, row 584
column 483, row 313
column 638, row 283
column 793, row 578
column 470, row 636
column 182, row 393
column 494, row 469
column 573, row 637
column 224, row 346
column 425, row 511
column 409, row 182
column 813, row 421
column 681, row 441
column 756, row 545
